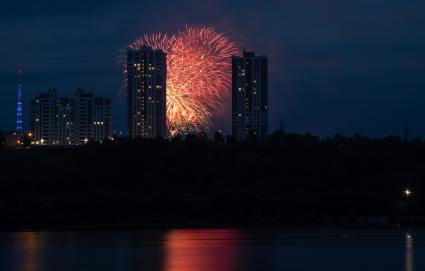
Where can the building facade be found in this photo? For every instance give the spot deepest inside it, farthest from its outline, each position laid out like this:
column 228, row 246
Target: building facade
column 249, row 97
column 65, row 121
column 146, row 93
column 43, row 120
column 69, row 121
column 102, row 116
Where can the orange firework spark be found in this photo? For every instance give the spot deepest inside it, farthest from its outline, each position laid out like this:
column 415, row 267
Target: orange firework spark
column 198, row 74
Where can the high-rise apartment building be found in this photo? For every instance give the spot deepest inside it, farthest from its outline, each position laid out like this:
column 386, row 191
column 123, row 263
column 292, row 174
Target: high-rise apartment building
column 146, row 92
column 249, row 96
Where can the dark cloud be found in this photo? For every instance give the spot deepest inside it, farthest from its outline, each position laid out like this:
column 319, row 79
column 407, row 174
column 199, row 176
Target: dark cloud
column 335, row 65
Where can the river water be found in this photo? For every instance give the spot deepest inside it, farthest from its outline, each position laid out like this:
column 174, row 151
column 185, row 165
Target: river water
column 214, row 249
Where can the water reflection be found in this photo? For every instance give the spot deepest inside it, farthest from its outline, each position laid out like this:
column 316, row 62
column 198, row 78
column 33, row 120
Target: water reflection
column 27, row 251
column 409, row 252
column 223, row 250
column 194, row 250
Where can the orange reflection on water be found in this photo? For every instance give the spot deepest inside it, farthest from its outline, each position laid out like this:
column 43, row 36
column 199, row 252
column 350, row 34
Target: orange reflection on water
column 195, row 250
column 27, row 247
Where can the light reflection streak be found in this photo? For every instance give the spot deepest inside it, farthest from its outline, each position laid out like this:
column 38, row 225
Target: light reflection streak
column 409, row 252
column 27, row 251
column 208, row 250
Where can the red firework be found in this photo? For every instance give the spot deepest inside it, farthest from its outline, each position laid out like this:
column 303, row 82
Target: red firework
column 198, row 74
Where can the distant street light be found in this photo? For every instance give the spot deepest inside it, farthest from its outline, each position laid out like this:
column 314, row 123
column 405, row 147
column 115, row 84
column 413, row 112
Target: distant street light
column 408, row 193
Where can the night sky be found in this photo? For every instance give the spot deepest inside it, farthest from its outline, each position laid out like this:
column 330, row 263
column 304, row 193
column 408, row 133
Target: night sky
column 335, row 65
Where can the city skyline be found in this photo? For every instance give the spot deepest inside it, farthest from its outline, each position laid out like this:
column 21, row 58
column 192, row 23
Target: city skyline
column 218, row 135
column 62, row 121
column 344, row 68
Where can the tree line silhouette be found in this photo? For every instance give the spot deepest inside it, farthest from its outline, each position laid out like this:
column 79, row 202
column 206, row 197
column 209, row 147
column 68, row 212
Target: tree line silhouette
column 290, row 179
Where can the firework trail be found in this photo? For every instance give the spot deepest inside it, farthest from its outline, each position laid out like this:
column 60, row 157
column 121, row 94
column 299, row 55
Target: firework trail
column 198, row 74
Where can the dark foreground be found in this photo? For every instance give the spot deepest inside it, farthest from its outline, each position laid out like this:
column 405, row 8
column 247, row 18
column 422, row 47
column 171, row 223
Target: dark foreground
column 293, row 181
column 214, row 250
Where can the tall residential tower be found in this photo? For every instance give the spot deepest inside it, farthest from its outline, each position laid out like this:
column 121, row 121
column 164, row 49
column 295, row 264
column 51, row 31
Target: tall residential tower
column 146, row 93
column 249, row 96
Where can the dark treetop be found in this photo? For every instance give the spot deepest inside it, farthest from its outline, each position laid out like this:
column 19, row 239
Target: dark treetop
column 289, row 180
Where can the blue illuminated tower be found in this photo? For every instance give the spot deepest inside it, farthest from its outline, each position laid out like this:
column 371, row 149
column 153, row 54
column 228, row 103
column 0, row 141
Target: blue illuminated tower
column 19, row 103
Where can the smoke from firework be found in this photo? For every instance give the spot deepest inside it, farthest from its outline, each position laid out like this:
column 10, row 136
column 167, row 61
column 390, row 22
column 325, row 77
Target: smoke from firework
column 198, row 74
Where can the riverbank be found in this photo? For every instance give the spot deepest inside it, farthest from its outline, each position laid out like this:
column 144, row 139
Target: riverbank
column 299, row 182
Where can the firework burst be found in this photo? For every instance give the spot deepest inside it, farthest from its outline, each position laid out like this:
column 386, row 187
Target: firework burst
column 198, row 74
